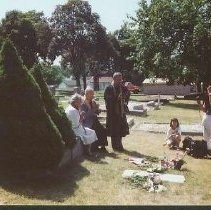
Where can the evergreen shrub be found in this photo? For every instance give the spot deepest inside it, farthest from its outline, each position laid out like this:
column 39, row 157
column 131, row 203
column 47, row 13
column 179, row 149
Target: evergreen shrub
column 29, row 139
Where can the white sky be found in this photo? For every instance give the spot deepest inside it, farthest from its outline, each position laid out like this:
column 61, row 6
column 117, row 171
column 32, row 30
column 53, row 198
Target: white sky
column 112, row 12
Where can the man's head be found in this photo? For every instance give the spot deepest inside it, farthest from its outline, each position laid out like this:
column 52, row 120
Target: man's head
column 89, row 93
column 117, row 78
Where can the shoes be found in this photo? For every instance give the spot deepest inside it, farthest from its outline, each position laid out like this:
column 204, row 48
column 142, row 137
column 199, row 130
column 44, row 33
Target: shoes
column 103, row 149
column 119, row 149
column 88, row 154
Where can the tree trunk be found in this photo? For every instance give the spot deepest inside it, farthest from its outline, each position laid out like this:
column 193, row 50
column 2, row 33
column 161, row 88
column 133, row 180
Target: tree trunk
column 78, row 83
column 96, row 83
column 84, row 81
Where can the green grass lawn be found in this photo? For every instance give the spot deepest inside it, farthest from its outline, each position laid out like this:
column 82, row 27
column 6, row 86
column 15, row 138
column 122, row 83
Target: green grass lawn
column 186, row 111
column 99, row 181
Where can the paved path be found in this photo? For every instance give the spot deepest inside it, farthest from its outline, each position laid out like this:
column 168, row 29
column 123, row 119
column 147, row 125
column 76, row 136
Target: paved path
column 191, row 129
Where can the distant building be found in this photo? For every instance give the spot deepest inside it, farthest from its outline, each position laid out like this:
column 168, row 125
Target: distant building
column 68, row 84
column 103, row 82
column 159, row 86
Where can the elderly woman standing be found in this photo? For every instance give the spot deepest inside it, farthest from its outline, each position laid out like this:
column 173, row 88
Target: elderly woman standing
column 90, row 120
column 87, row 135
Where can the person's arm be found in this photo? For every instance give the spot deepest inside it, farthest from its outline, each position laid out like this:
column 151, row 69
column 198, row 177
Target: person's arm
column 96, row 107
column 209, row 93
column 179, row 132
column 83, row 112
column 74, row 117
column 201, row 105
column 168, row 133
column 107, row 94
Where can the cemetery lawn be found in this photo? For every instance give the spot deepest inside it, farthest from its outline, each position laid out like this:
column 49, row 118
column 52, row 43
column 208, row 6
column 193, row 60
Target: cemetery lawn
column 187, row 111
column 99, row 181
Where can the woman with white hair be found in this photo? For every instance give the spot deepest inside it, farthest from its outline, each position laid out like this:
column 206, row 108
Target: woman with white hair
column 87, row 135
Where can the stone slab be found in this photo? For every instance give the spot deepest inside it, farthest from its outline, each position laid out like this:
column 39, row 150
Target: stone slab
column 191, row 129
column 72, row 154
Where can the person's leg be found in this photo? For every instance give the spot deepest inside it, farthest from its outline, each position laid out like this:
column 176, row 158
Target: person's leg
column 94, row 146
column 119, row 146
column 177, row 140
column 87, row 150
column 114, row 142
column 169, row 143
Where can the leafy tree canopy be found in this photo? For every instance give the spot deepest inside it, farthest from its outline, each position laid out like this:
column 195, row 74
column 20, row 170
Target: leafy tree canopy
column 30, row 33
column 52, row 74
column 173, row 40
column 78, row 36
column 22, row 34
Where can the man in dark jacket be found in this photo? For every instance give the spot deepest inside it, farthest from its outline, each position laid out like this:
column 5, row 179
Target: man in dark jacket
column 116, row 98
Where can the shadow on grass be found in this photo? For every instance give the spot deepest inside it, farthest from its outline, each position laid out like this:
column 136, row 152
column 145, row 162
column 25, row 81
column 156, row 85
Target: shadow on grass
column 99, row 157
column 184, row 106
column 139, row 155
column 55, row 187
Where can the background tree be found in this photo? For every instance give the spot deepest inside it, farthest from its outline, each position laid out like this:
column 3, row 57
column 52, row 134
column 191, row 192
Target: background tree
column 22, row 34
column 123, row 41
column 42, row 29
column 172, row 40
column 52, row 74
column 30, row 33
column 78, row 36
column 101, row 60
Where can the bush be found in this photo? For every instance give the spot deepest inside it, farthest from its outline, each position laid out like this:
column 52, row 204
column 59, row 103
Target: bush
column 52, row 74
column 29, row 139
column 56, row 113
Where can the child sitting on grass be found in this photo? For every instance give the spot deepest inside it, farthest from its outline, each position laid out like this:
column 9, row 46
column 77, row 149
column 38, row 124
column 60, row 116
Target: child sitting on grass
column 173, row 137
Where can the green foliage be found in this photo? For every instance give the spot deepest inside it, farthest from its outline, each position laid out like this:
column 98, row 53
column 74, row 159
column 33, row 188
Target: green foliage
column 56, row 113
column 138, row 181
column 30, row 32
column 79, row 37
column 123, row 42
column 172, row 40
column 42, row 29
column 53, row 75
column 22, row 34
column 29, row 140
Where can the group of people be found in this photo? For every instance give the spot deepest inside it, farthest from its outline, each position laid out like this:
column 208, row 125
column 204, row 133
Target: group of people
column 173, row 137
column 83, row 112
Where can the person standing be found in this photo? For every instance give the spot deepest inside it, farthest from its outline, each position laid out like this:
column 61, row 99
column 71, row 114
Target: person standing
column 116, row 97
column 205, row 106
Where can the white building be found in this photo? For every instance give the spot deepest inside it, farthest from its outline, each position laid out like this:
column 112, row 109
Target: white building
column 68, row 84
column 155, row 86
column 103, row 82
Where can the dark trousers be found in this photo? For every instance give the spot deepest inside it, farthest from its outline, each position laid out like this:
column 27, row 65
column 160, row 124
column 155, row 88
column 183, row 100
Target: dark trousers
column 116, row 142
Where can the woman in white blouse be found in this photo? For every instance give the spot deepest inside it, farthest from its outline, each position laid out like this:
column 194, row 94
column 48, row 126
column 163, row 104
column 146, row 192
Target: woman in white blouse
column 87, row 135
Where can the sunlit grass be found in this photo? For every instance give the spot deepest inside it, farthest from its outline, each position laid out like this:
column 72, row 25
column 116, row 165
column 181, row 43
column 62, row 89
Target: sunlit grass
column 100, row 182
column 185, row 110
